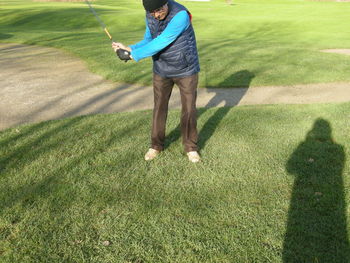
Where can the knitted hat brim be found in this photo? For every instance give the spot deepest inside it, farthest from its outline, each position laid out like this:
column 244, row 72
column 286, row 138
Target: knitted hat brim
column 151, row 5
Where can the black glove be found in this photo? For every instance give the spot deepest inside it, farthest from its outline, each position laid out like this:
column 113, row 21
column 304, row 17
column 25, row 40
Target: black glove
column 123, row 54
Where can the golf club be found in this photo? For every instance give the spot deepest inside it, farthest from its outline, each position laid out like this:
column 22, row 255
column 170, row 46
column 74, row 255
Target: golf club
column 122, row 53
column 99, row 20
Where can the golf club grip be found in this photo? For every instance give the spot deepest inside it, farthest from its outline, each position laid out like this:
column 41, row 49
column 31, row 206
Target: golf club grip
column 108, row 34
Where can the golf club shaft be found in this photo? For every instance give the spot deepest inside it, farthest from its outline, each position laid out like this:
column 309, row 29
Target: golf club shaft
column 99, row 20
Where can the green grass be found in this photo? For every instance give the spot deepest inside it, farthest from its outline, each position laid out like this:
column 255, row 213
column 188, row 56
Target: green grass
column 272, row 187
column 273, row 183
column 250, row 43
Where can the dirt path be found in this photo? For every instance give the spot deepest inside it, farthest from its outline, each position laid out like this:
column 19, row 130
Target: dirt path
column 38, row 83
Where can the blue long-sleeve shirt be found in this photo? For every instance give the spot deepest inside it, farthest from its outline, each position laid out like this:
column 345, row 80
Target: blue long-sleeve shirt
column 149, row 47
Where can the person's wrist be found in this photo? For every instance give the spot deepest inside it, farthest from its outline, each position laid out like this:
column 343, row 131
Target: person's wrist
column 129, row 49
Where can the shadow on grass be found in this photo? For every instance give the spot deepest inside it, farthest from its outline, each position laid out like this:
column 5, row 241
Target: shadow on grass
column 39, row 18
column 45, row 138
column 47, row 194
column 5, row 36
column 244, row 77
column 317, row 222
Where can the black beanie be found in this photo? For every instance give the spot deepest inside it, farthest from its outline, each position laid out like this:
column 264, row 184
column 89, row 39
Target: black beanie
column 151, row 5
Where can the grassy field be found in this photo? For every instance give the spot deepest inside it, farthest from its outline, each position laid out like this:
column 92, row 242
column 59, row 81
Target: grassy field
column 249, row 43
column 272, row 187
column 273, row 183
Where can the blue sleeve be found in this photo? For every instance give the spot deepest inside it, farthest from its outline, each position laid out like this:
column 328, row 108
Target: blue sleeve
column 146, row 38
column 178, row 24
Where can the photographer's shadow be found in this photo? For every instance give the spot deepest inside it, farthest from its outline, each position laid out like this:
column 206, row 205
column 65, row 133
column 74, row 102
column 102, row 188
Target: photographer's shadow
column 317, row 222
column 241, row 79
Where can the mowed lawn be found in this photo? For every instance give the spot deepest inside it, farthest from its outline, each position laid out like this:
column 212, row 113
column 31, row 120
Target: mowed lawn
column 273, row 183
column 272, row 186
column 248, row 43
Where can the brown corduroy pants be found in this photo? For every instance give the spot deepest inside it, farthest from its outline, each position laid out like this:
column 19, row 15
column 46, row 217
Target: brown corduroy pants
column 162, row 88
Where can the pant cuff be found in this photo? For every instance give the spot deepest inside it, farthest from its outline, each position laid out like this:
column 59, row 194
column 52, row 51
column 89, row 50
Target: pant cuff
column 193, row 149
column 158, row 148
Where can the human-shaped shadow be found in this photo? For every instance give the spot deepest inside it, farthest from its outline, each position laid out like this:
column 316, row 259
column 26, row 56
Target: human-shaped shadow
column 241, row 79
column 317, row 223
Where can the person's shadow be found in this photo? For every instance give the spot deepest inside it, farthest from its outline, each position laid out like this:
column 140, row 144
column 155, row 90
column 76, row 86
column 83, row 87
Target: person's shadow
column 241, row 79
column 317, row 223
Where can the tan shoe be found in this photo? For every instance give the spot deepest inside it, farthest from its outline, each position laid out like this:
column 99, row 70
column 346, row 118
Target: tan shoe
column 151, row 154
column 193, row 157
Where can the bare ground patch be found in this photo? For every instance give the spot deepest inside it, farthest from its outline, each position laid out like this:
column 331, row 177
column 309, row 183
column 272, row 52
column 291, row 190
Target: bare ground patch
column 338, row 51
column 48, row 89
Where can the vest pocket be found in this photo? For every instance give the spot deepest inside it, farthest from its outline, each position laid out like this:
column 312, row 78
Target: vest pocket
column 176, row 63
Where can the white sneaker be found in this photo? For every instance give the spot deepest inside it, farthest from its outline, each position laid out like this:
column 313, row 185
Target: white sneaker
column 193, row 157
column 151, row 154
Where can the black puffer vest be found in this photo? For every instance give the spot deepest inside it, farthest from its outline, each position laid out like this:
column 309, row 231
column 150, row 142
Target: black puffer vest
column 180, row 58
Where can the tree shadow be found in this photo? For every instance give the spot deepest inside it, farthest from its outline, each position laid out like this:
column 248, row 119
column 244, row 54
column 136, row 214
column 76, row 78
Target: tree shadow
column 317, row 223
column 244, row 77
column 41, row 145
column 40, row 201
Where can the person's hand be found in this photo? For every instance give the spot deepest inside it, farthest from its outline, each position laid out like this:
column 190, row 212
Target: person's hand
column 116, row 46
